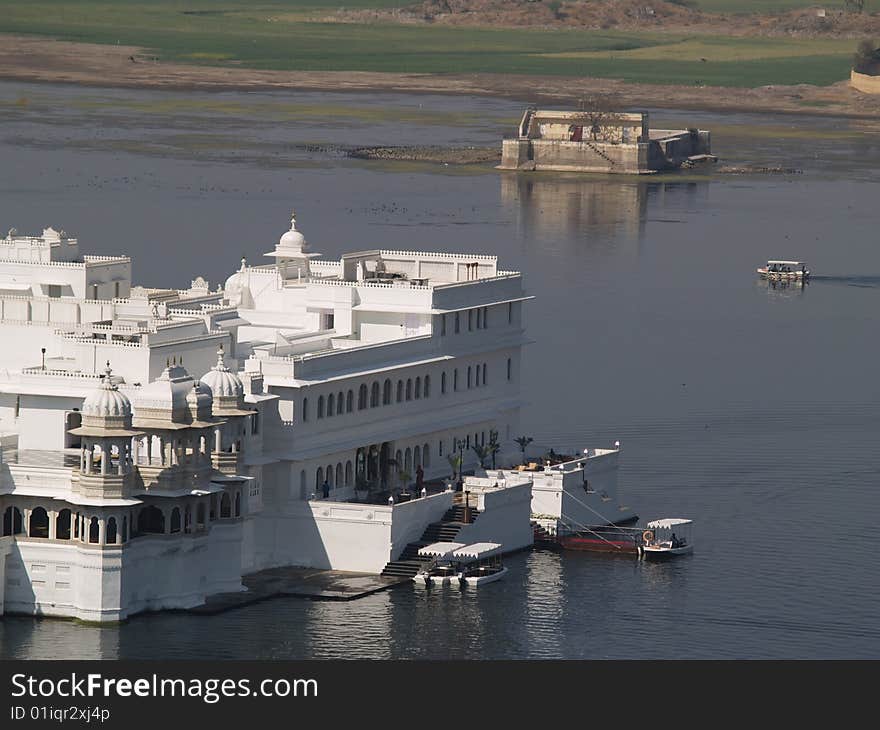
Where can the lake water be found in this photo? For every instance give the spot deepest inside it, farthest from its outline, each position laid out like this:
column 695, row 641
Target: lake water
column 753, row 410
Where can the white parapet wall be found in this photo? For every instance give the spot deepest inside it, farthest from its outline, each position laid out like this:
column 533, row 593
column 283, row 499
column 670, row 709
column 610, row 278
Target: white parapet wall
column 505, row 513
column 111, row 583
column 350, row 536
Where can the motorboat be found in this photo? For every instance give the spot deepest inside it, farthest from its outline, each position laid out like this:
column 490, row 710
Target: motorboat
column 666, row 538
column 480, row 563
column 442, row 569
column 778, row 270
column 461, row 564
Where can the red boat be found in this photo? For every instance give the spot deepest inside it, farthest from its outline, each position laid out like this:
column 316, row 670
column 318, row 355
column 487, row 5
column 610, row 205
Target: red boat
column 605, row 538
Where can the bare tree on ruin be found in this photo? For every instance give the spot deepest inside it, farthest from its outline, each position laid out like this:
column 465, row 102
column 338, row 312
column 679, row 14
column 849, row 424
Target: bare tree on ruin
column 603, row 113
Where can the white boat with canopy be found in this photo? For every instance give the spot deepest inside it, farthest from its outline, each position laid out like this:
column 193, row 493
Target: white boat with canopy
column 779, row 270
column 456, row 562
column 442, row 569
column 480, row 563
column 667, row 538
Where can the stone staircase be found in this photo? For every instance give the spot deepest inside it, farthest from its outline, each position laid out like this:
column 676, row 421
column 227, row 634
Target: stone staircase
column 541, row 536
column 446, row 530
column 598, row 151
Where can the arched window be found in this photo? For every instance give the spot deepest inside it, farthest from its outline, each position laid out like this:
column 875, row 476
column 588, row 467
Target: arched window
column 427, row 386
column 417, row 457
column 477, row 376
column 12, row 521
column 469, row 376
column 39, row 523
column 62, row 525
column 330, row 405
column 225, row 506
column 443, row 383
column 407, row 460
column 125, row 529
column 479, row 318
column 418, row 388
column 238, row 504
column 349, row 401
column 362, row 397
column 200, row 514
column 111, row 531
column 386, row 393
column 329, row 474
column 374, row 395
column 409, row 388
column 398, row 459
column 305, row 409
column 187, row 519
column 455, row 379
column 457, row 322
column 320, row 406
column 484, row 373
column 319, row 478
column 399, row 391
column 339, row 476
column 340, row 404
column 349, row 474
column 151, row 521
column 175, row 519
column 94, row 532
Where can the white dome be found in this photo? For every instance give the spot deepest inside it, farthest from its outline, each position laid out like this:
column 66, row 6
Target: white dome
column 292, row 239
column 222, row 381
column 236, row 290
column 106, row 400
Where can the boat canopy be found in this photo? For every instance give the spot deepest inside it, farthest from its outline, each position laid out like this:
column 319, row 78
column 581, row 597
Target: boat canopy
column 440, row 549
column 668, row 522
column 477, row 551
column 774, row 262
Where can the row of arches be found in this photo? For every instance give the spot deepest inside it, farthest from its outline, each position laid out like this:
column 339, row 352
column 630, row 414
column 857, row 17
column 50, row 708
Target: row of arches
column 385, row 394
column 410, row 459
column 65, row 525
column 116, row 529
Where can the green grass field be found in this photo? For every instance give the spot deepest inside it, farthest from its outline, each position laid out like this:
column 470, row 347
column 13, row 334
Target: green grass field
column 272, row 34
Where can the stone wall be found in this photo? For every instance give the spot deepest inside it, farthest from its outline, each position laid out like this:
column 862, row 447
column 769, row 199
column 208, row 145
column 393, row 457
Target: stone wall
column 864, row 83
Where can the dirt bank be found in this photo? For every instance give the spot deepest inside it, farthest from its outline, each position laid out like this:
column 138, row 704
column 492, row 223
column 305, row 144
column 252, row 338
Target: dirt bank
column 41, row 60
column 628, row 15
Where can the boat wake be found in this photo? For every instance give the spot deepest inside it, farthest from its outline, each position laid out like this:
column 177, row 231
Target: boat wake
column 870, row 282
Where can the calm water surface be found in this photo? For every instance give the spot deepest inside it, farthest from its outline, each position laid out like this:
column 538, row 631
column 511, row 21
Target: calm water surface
column 753, row 410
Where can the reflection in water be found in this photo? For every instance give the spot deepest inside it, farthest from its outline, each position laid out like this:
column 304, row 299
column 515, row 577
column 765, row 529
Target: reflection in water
column 568, row 204
column 549, row 202
column 543, row 617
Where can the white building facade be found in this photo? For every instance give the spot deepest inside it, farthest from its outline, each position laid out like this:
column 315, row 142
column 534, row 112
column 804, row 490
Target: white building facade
column 158, row 444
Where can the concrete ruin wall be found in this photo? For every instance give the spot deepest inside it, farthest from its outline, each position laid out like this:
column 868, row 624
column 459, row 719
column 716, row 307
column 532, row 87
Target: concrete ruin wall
column 560, row 155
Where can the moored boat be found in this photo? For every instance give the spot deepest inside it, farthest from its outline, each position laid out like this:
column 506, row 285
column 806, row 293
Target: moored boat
column 461, row 564
column 667, row 538
column 480, row 563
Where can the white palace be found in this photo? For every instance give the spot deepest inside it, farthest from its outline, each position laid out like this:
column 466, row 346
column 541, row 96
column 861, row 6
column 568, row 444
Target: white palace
column 159, row 444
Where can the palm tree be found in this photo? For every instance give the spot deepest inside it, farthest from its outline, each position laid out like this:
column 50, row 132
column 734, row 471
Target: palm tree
column 494, row 446
column 482, row 453
column 523, row 442
column 455, row 462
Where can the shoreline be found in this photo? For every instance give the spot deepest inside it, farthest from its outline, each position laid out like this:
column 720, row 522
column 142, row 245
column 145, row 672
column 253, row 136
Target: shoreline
column 40, row 60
